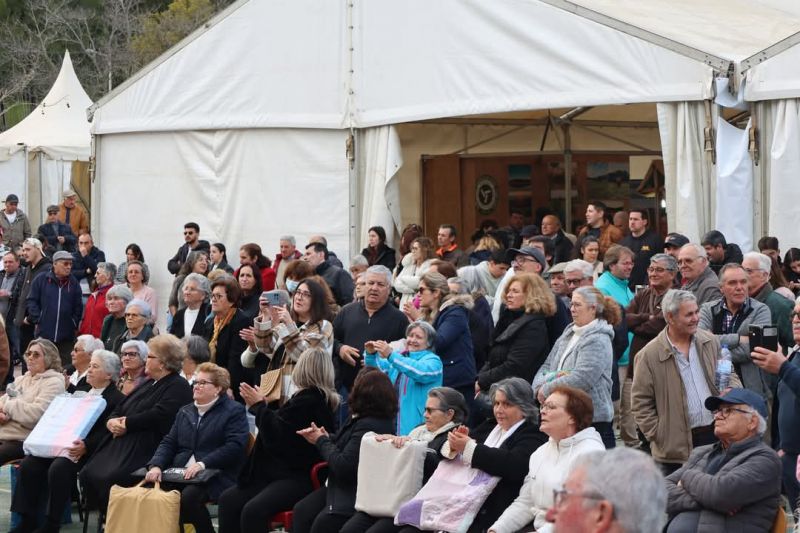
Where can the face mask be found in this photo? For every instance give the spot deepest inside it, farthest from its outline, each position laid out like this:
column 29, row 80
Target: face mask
column 291, row 285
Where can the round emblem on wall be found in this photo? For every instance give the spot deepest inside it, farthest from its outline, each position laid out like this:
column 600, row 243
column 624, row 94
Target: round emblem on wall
column 486, row 194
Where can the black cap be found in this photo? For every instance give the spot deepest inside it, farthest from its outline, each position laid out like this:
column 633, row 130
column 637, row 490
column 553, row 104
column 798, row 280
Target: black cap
column 675, row 240
column 12, row 199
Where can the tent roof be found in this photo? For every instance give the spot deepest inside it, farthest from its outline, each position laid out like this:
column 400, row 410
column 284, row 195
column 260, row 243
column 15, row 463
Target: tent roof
column 58, row 125
column 283, row 63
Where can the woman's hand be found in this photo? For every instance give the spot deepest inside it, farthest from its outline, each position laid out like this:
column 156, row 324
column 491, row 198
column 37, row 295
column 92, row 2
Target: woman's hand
column 4, row 418
column 250, row 394
column 312, row 434
column 283, row 315
column 153, row 475
column 192, row 471
column 411, row 312
column 116, row 426
column 369, row 347
column 399, row 442
column 77, row 450
column 249, row 335
column 383, row 348
column 458, row 438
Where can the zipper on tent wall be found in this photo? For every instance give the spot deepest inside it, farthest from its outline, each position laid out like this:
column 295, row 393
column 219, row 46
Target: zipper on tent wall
column 350, row 143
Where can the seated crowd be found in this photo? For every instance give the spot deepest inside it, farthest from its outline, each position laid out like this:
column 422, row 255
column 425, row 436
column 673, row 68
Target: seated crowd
column 491, row 382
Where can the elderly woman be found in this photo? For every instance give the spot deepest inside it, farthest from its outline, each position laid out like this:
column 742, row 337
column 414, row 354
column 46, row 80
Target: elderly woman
column 133, row 356
column 445, row 409
column 519, row 343
column 114, row 326
column 223, row 332
column 415, row 264
column 582, row 356
column 279, row 333
column 139, row 423
column 250, row 254
column 132, row 253
column 358, row 265
column 137, row 278
column 504, row 451
column 196, row 354
column 196, row 263
column 377, row 252
column 211, row 432
column 138, row 319
column 449, row 315
column 81, row 355
column 58, row 475
column 276, row 475
column 27, row 398
column 249, row 278
column 219, row 258
column 373, row 407
column 297, row 271
column 567, row 419
column 191, row 319
column 96, row 310
column 414, row 369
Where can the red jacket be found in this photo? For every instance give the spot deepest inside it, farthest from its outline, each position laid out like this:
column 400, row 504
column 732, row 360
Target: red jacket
column 94, row 313
column 279, row 258
column 267, row 278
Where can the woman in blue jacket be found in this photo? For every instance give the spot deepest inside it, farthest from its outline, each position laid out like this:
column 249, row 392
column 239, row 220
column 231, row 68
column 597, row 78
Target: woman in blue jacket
column 210, row 432
column 414, row 372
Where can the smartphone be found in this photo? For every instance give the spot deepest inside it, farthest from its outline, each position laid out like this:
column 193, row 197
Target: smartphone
column 764, row 336
column 273, row 297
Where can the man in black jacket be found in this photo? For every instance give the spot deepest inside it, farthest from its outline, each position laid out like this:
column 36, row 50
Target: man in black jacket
column 37, row 264
column 84, row 261
column 720, row 252
column 551, row 227
column 11, row 279
column 191, row 234
column 644, row 243
column 340, row 282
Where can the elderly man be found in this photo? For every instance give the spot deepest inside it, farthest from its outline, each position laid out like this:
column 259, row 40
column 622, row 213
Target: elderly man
column 37, row 264
column 551, row 227
column 719, row 251
column 358, row 265
column 787, row 370
column 288, row 253
column 558, row 283
column 373, row 318
column 578, row 273
column 645, row 320
column 69, row 212
column 730, row 318
column 696, row 276
column 339, row 281
column 674, row 375
column 85, row 260
column 55, row 305
column 733, row 485
column 14, row 224
column 54, row 234
column 597, row 226
column 615, row 491
column 758, row 267
column 11, row 280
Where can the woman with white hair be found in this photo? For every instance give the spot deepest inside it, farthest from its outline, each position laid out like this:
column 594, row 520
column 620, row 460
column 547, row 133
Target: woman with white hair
column 133, row 355
column 81, row 358
column 58, row 474
column 191, row 320
column 138, row 318
column 114, row 323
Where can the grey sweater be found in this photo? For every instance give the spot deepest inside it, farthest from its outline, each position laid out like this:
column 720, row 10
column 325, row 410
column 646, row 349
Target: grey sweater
column 587, row 366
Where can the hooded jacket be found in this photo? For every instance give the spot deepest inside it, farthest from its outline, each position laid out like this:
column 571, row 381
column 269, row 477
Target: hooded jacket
column 549, row 466
column 55, row 306
column 33, row 396
column 587, row 366
column 454, row 341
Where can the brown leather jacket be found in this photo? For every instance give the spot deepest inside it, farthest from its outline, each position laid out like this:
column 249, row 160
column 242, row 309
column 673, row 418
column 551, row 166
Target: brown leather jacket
column 609, row 234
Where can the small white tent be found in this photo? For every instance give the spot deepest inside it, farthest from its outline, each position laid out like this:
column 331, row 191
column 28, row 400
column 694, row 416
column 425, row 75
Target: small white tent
column 36, row 154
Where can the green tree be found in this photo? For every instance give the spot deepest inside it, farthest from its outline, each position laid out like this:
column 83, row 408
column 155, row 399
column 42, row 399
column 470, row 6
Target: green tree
column 160, row 31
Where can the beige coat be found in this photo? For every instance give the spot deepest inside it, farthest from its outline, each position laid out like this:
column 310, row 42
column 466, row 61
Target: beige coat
column 34, row 396
column 660, row 407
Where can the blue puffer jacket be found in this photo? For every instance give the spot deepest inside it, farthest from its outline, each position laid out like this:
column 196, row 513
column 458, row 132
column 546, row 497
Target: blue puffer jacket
column 454, row 342
column 218, row 439
column 418, row 372
column 55, row 307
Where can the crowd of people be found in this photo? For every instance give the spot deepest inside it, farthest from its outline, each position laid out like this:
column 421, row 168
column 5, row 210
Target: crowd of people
column 526, row 357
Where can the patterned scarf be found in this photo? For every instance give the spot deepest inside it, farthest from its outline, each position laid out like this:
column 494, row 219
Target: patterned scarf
column 219, row 323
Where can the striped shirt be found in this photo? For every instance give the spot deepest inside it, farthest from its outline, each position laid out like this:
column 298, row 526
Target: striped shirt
column 694, row 383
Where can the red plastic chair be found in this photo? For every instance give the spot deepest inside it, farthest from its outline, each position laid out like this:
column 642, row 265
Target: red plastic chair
column 284, row 518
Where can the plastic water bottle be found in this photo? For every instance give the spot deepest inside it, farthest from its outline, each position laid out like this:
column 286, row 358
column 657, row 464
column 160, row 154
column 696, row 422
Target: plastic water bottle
column 724, row 368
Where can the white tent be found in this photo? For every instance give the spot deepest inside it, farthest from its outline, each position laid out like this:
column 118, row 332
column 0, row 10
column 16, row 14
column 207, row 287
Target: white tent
column 36, row 154
column 292, row 116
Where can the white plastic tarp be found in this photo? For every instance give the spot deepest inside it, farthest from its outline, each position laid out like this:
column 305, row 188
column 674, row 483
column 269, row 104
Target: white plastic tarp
column 379, row 158
column 239, row 186
column 734, row 191
column 13, row 178
column 777, row 77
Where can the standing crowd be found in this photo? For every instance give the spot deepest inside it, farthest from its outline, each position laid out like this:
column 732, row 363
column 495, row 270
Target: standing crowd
column 520, row 361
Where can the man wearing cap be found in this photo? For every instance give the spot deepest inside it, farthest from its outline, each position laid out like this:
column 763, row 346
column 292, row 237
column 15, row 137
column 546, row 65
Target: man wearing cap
column 644, row 243
column 696, row 275
column 55, row 305
column 673, row 244
column 558, row 283
column 14, row 224
column 734, row 484
column 54, row 234
column 551, row 227
column 69, row 212
column 597, row 226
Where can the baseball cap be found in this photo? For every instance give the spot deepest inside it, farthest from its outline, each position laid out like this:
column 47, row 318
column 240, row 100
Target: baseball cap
column 62, row 256
column 558, row 268
column 12, row 199
column 675, row 240
column 52, row 209
column 738, row 396
column 530, row 252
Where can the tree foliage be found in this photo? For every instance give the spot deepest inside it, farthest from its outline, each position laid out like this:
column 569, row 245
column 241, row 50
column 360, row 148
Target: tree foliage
column 161, row 30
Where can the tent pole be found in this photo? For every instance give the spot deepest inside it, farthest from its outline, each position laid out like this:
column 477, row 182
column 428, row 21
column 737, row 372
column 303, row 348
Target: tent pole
column 567, row 178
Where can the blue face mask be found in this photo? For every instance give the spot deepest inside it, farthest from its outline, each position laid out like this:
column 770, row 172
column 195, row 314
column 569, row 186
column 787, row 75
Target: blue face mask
column 291, row 285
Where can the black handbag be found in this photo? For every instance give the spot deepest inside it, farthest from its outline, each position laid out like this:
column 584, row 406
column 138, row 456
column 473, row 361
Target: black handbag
column 175, row 475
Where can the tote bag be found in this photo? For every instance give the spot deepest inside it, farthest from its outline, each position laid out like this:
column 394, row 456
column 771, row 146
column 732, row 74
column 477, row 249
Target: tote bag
column 143, row 509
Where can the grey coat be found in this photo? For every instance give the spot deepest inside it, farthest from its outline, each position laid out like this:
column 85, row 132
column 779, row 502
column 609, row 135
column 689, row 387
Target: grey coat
column 752, row 377
column 706, row 287
column 588, row 366
column 742, row 496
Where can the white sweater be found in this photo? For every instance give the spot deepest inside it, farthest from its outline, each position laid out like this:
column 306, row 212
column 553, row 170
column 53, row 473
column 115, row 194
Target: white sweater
column 549, row 466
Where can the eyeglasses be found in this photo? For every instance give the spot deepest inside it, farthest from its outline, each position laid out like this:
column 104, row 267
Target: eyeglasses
column 524, row 259
column 423, row 289
column 793, row 315
column 572, row 282
column 32, row 355
column 559, row 495
column 188, row 233
column 201, row 383
column 689, row 260
column 549, row 406
column 658, row 270
column 303, row 294
column 133, row 315
column 751, row 270
column 130, row 354
column 152, row 357
column 430, row 410
column 217, row 296
column 725, row 412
